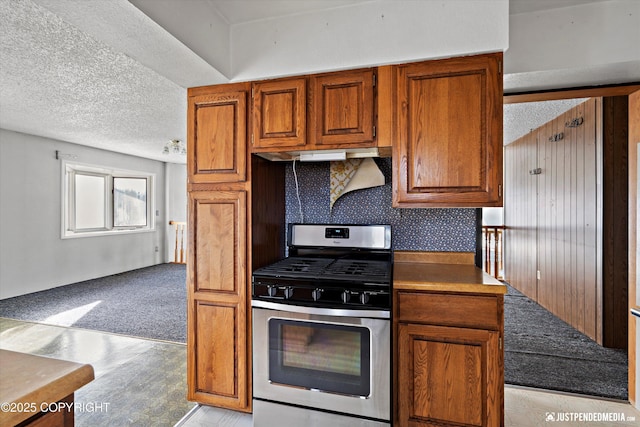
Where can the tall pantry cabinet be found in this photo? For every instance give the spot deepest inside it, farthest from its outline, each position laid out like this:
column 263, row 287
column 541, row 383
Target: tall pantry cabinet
column 219, row 254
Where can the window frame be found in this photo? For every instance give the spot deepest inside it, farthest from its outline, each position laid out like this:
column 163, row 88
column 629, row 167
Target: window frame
column 71, row 169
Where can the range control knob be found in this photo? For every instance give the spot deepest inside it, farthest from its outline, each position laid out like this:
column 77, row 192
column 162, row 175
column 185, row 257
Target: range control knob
column 316, row 294
column 288, row 292
column 364, row 297
column 272, row 290
column 346, row 296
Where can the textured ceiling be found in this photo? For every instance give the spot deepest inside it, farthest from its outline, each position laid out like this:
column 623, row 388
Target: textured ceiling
column 58, row 82
column 104, row 74
column 520, row 119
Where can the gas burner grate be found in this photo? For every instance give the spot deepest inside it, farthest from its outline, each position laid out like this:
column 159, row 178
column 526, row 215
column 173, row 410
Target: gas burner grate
column 296, row 266
column 328, row 269
column 357, row 269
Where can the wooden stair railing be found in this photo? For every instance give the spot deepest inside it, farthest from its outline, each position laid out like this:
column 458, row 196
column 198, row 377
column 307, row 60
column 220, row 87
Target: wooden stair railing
column 492, row 243
column 178, row 253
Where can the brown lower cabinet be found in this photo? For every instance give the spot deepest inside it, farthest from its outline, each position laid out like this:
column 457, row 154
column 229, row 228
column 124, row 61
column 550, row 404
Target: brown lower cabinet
column 449, row 363
column 218, row 369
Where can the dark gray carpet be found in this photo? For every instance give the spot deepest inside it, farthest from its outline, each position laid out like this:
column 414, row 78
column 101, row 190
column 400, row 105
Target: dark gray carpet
column 543, row 351
column 146, row 303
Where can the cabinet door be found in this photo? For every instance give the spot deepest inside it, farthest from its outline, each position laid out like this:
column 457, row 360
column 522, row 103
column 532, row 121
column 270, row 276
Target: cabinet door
column 279, row 113
column 448, row 376
column 218, row 339
column 342, row 109
column 217, row 127
column 449, row 133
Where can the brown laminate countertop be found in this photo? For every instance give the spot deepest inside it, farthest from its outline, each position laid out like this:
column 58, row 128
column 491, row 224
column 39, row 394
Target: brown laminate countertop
column 466, row 278
column 31, row 382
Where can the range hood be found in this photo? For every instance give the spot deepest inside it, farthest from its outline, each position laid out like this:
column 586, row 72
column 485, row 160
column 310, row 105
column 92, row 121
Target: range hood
column 327, row 155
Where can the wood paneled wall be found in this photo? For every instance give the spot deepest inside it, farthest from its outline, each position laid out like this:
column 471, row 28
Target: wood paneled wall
column 564, row 247
column 520, row 198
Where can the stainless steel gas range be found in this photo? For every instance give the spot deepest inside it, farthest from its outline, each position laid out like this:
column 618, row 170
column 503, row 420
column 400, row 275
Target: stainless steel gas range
column 321, row 329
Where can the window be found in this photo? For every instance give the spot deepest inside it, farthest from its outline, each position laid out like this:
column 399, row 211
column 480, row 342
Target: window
column 104, row 201
column 129, row 202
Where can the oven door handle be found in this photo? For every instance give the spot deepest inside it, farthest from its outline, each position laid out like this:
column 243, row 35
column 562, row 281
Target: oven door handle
column 373, row 314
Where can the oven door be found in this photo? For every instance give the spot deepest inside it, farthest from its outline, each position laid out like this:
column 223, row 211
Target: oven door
column 323, row 359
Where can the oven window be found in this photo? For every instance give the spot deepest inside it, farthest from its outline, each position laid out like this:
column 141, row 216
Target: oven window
column 322, row 356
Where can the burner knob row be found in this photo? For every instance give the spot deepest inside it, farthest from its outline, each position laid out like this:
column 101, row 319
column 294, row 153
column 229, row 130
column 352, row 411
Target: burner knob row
column 316, row 294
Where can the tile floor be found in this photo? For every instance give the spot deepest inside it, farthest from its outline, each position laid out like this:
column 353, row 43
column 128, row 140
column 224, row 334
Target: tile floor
column 143, row 383
column 523, row 408
column 137, row 382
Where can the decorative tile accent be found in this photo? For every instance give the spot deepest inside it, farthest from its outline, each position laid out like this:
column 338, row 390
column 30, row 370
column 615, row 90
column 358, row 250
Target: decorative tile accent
column 448, row 230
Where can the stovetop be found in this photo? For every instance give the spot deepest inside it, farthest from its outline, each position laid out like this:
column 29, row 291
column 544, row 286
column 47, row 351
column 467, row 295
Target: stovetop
column 330, row 266
column 323, row 269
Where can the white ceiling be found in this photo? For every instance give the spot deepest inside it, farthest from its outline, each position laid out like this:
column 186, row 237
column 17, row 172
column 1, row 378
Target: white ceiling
column 527, row 6
column 105, row 74
column 240, row 12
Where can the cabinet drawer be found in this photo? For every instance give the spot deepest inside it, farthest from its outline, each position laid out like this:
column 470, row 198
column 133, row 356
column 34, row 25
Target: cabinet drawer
column 471, row 311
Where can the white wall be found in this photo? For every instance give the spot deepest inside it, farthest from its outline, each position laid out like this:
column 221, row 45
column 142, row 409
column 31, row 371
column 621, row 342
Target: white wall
column 367, row 34
column 176, row 205
column 588, row 44
column 33, row 256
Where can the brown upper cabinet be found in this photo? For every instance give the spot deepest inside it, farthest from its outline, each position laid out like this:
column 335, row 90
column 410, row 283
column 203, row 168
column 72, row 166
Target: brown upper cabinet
column 322, row 111
column 216, row 134
column 342, row 109
column 447, row 149
column 279, row 113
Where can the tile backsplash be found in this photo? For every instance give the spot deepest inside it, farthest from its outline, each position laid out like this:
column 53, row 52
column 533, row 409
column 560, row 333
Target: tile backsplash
column 447, row 230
